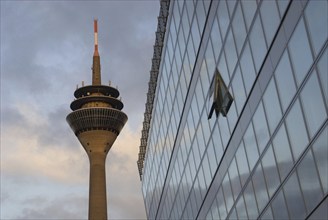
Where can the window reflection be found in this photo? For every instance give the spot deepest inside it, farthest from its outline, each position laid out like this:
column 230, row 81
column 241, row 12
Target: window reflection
column 321, row 212
column 279, row 208
column 239, row 29
column 313, row 105
column 260, row 187
column 239, row 91
column 249, row 8
column 257, row 42
column 241, row 209
column 261, row 128
column 296, row 130
column 242, row 163
column 294, row 198
column 221, row 204
column 270, row 19
column 282, row 152
column 250, row 201
column 224, row 18
column 309, row 181
column 300, row 52
column 272, row 106
column 251, row 146
column 247, row 68
column 282, row 4
column 216, row 39
column 320, row 150
column 285, row 81
column 224, row 129
column 234, row 178
column 211, row 157
column 317, row 18
column 230, row 51
column 226, row 187
column 267, row 214
column 270, row 171
column 323, row 70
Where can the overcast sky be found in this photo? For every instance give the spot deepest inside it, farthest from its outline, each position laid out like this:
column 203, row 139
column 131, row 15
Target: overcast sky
column 46, row 50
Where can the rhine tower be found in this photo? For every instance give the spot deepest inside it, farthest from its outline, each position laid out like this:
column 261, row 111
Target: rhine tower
column 97, row 120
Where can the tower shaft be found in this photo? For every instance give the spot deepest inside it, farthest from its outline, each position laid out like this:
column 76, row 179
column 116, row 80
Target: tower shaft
column 97, row 144
column 97, row 188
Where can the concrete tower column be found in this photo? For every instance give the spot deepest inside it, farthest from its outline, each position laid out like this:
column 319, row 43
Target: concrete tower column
column 97, row 187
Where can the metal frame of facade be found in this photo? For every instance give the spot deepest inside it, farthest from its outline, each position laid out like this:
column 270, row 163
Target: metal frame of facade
column 152, row 84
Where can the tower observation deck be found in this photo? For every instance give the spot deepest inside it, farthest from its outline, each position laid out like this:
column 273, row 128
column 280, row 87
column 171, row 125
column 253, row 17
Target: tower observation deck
column 97, row 120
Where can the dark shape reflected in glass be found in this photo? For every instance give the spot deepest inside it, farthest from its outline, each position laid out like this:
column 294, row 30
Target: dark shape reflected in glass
column 222, row 99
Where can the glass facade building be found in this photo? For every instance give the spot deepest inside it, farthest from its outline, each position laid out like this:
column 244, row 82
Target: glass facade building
column 268, row 156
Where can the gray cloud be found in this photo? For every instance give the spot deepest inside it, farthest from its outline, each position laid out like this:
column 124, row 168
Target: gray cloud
column 68, row 207
column 46, row 49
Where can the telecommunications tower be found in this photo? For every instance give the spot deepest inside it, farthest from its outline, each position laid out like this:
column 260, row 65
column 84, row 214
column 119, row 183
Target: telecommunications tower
column 97, row 120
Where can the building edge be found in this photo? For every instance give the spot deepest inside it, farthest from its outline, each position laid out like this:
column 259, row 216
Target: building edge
column 152, row 84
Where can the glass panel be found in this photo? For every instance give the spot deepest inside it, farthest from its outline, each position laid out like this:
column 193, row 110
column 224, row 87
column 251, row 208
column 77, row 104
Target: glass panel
column 211, row 157
column 320, row 150
column 221, row 204
column 207, row 172
column 231, row 5
column 234, row 178
column 224, row 130
column 215, row 210
column 216, row 38
column 317, row 17
column 223, row 69
column 201, row 16
column 270, row 19
column 250, row 201
column 227, row 192
column 285, row 81
column 270, row 171
column 239, row 91
column 261, row 190
column 300, row 52
column 242, row 163
column 313, row 105
column 195, row 34
column 233, row 214
column 282, row 152
column 217, row 143
column 282, row 4
column 247, row 68
column 294, row 198
column 224, row 18
column 230, row 51
column 239, row 29
column 267, row 214
column 296, row 130
column 241, row 209
column 251, row 146
column 272, row 106
column 309, row 181
column 261, row 128
column 321, row 212
column 249, row 8
column 258, row 45
column 323, row 72
column 279, row 208
column 210, row 60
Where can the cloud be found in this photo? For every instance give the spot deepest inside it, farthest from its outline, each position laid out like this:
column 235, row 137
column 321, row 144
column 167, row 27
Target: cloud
column 46, row 49
column 67, row 207
column 37, row 157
